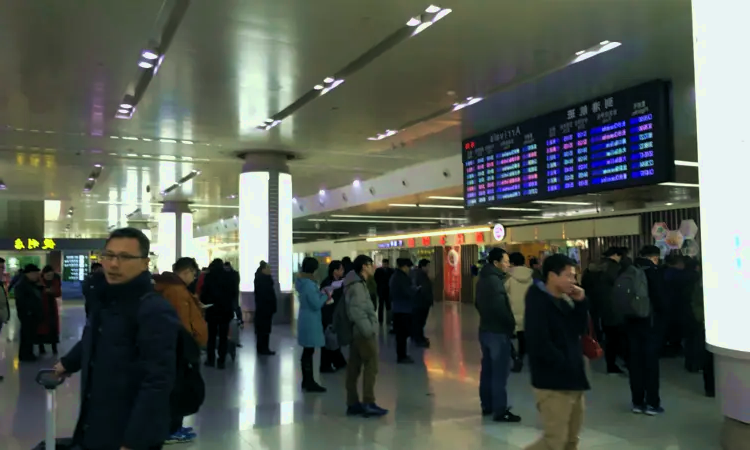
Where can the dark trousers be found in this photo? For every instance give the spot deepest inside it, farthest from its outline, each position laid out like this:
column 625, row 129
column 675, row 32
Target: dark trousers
column 695, row 345
column 615, row 344
column 262, row 342
column 384, row 304
column 402, row 326
column 217, row 329
column 645, row 344
column 27, row 338
column 493, row 380
column 331, row 359
column 709, row 379
column 521, row 352
column 420, row 321
column 175, row 423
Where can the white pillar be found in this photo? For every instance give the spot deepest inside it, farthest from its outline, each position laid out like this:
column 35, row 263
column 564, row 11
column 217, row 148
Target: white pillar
column 720, row 37
column 175, row 234
column 265, row 225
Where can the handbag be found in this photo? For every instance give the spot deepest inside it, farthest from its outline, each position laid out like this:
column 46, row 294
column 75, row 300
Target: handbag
column 591, row 348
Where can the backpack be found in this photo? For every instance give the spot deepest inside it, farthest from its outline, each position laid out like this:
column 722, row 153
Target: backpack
column 342, row 325
column 630, row 294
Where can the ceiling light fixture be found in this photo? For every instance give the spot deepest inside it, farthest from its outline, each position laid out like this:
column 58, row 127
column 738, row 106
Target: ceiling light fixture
column 469, row 101
column 168, row 141
column 2, row 185
column 556, row 202
column 413, row 22
column 328, row 80
column 674, row 184
column 604, row 46
column 452, row 232
column 126, row 106
column 322, row 192
column 331, row 87
column 669, row 204
column 381, row 136
column 441, row 206
column 150, row 55
column 501, row 208
column 318, row 87
column 442, row 197
column 294, row 199
column 188, row 142
column 123, row 111
column 357, row 216
column 432, row 9
column 403, row 205
column 411, row 222
column 685, row 163
column 355, row 183
column 145, row 65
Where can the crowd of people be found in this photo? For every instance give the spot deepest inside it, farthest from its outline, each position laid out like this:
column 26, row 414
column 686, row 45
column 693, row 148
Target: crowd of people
column 145, row 332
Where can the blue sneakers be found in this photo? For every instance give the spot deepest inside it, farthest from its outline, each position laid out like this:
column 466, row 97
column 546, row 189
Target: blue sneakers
column 180, row 437
column 651, row 411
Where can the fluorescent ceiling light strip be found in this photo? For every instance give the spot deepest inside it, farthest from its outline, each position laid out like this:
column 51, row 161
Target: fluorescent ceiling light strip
column 403, row 205
column 442, row 206
column 441, row 197
column 430, row 234
column 320, row 232
column 680, row 184
column 502, row 208
column 355, row 216
column 555, row 202
column 685, row 163
column 422, row 222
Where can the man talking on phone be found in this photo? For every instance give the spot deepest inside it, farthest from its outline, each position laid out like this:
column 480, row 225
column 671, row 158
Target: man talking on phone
column 556, row 317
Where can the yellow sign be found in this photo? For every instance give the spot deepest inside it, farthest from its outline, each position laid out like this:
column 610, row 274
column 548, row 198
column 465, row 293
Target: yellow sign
column 33, row 244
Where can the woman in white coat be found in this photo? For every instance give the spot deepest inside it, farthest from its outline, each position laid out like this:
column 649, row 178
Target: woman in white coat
column 517, row 283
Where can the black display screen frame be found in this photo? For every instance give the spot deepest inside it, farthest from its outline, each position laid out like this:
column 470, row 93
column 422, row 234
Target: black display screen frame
column 657, row 96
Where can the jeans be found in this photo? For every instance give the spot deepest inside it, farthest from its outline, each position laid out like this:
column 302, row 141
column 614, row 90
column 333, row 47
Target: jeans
column 496, row 362
column 562, row 417
column 402, row 326
column 363, row 354
column 645, row 344
column 217, row 330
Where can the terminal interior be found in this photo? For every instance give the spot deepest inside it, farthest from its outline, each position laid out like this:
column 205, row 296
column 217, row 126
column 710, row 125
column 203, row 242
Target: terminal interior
column 280, row 130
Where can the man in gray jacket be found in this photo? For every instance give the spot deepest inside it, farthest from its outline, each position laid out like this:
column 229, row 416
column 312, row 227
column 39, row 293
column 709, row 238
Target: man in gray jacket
column 496, row 327
column 363, row 351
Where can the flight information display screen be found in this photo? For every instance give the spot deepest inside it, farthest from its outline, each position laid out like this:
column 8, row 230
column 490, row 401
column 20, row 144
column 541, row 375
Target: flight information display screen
column 617, row 141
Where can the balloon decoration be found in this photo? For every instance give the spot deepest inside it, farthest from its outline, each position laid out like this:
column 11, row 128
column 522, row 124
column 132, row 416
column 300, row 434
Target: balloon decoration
column 682, row 239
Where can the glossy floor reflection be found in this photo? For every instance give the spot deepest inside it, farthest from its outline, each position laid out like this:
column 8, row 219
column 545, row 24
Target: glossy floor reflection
column 257, row 404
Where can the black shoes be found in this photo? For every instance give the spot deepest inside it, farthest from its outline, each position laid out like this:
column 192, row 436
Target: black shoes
column 266, row 353
column 312, row 386
column 507, row 417
column 366, row 410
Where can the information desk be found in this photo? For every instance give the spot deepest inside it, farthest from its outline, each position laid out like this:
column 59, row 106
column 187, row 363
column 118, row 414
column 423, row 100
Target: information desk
column 617, row 141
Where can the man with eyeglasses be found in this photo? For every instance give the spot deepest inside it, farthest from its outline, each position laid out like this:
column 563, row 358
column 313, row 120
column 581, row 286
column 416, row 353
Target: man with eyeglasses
column 127, row 354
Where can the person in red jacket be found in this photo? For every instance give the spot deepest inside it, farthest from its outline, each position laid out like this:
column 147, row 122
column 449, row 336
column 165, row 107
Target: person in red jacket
column 48, row 330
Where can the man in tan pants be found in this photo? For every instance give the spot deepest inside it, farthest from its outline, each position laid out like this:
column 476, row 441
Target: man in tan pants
column 555, row 319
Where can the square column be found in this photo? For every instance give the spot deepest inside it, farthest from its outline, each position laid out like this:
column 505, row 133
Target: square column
column 175, row 234
column 265, row 227
column 720, row 37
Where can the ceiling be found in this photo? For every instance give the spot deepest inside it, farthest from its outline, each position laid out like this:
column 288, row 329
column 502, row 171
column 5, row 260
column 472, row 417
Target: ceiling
column 233, row 63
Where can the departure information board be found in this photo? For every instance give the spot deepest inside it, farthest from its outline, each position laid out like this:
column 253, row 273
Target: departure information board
column 617, row 141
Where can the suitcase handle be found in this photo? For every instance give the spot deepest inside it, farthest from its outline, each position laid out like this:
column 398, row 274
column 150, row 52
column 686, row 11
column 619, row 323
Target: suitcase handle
column 49, row 379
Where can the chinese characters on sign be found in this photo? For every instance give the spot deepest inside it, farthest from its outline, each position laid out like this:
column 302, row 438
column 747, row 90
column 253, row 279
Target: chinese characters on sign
column 443, row 239
column 426, row 241
column 410, row 242
column 479, row 236
column 34, row 244
column 460, row 239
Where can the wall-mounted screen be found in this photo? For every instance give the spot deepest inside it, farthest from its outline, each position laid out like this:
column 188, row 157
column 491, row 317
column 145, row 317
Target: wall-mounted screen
column 617, row 141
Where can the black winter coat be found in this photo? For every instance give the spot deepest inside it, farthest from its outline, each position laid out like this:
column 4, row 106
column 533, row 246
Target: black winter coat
column 28, row 300
column 220, row 289
column 265, row 302
column 127, row 360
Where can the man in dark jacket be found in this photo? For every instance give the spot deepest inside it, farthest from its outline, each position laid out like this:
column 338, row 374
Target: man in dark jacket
column 644, row 339
column 403, row 298
column 496, row 327
column 599, row 281
column 127, row 355
column 221, row 291
column 383, row 276
column 87, row 285
column 423, row 303
column 28, row 293
column 556, row 317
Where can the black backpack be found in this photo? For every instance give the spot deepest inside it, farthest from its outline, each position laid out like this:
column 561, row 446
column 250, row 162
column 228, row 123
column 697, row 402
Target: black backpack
column 189, row 388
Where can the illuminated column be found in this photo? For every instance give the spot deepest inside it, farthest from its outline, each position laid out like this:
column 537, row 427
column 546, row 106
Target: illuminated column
column 720, row 35
column 265, row 226
column 175, row 234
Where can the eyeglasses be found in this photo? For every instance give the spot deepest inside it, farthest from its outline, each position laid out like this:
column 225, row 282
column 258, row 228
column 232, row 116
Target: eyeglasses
column 123, row 257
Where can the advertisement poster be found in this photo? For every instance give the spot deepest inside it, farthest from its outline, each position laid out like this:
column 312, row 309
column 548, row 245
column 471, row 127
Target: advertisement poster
column 452, row 273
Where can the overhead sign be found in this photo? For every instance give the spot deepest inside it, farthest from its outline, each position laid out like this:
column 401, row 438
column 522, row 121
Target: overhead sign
column 617, row 141
column 498, row 232
column 392, row 244
column 34, row 244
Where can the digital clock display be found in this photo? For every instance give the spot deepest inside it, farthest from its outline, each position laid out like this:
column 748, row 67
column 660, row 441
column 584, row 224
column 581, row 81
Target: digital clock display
column 616, row 141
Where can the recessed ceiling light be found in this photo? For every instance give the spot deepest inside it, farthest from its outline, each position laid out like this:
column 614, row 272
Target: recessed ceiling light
column 669, row 204
column 555, row 202
column 130, row 138
column 294, row 199
column 123, row 111
column 148, row 54
column 114, row 137
column 126, row 105
column 413, row 22
column 441, row 14
column 580, row 52
column 188, row 142
column 328, row 80
column 146, row 139
column 145, row 156
column 168, row 141
column 423, row 26
column 604, row 43
column 355, row 183
column 318, row 87
column 432, row 9
column 132, row 155
column 145, row 65
column 322, row 192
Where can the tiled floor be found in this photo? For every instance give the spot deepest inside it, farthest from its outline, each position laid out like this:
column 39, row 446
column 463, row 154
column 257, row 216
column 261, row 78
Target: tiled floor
column 257, row 404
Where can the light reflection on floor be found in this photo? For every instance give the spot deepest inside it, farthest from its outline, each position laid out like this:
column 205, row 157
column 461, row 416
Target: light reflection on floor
column 256, row 403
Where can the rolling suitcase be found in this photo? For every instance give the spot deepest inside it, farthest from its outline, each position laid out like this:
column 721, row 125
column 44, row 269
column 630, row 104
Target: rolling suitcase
column 50, row 381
